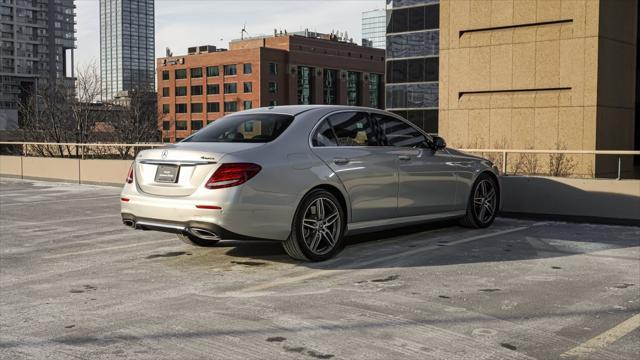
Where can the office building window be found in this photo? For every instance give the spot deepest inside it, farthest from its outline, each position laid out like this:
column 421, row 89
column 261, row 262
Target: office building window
column 230, row 70
column 165, row 108
column 213, row 71
column 330, row 87
column 414, row 19
column 166, row 125
column 273, row 87
column 196, row 90
column 196, row 72
column 181, row 108
column 196, row 125
column 213, row 89
column 248, row 104
column 165, row 91
column 427, row 120
column 248, row 87
column 181, row 74
column 273, row 68
column 181, row 91
column 305, row 84
column 412, row 70
column 165, row 75
column 213, row 107
column 196, row 107
column 353, row 88
column 181, row 125
column 230, row 106
column 247, row 69
column 230, row 88
column 375, row 89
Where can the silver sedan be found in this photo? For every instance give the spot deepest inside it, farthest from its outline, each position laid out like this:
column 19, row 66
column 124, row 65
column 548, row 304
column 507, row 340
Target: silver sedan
column 306, row 176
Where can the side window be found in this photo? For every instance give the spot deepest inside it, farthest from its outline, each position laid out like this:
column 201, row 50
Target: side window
column 324, row 135
column 353, row 129
column 398, row 133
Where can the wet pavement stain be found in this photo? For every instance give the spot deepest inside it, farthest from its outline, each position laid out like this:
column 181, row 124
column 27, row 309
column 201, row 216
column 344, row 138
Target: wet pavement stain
column 85, row 288
column 69, row 326
column 622, row 285
column 444, row 297
column 489, row 290
column 249, row 263
column 308, row 352
column 556, row 267
column 276, row 339
column 508, row 346
column 388, row 278
column 168, row 254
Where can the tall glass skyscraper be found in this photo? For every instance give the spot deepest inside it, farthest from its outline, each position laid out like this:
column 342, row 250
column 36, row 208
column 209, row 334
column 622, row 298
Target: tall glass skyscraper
column 36, row 48
column 412, row 61
column 127, row 46
column 374, row 25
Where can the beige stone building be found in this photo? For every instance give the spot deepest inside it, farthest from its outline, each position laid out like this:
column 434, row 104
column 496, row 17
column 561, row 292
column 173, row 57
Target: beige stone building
column 542, row 74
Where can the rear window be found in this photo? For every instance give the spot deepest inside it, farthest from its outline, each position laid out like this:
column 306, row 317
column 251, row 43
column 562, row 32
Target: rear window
column 249, row 128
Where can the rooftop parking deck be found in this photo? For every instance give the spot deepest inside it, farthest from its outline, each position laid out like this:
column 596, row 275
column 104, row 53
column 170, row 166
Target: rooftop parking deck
column 76, row 283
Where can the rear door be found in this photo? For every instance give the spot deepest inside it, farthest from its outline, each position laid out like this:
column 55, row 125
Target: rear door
column 347, row 143
column 427, row 179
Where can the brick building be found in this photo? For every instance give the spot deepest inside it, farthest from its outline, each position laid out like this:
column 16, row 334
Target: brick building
column 208, row 83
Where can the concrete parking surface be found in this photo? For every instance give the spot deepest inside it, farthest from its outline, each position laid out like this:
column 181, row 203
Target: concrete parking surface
column 76, row 284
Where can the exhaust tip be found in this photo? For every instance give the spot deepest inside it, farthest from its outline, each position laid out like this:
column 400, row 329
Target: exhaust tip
column 129, row 223
column 204, row 234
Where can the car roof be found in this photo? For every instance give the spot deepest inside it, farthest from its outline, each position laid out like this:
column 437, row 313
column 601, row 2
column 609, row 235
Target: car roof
column 298, row 109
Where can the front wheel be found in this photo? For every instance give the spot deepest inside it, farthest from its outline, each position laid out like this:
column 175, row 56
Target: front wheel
column 482, row 206
column 318, row 228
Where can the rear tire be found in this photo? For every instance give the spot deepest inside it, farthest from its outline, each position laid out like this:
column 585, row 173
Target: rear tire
column 196, row 241
column 318, row 228
column 483, row 203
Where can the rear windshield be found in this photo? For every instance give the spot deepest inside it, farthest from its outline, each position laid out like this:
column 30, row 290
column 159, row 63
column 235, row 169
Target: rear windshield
column 248, row 128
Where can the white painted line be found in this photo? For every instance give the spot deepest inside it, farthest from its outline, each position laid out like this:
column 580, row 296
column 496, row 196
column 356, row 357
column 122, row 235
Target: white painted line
column 110, row 248
column 318, row 273
column 606, row 338
column 115, row 197
column 60, row 221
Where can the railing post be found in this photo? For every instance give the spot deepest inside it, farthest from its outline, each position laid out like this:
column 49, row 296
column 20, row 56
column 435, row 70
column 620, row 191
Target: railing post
column 504, row 163
column 619, row 167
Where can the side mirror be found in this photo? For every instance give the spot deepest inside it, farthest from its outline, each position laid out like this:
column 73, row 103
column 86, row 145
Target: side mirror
column 438, row 143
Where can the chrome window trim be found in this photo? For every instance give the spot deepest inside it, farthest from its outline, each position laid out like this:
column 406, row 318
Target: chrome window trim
column 368, row 112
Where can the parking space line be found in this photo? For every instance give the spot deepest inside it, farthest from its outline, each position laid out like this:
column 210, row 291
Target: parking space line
column 318, row 273
column 606, row 338
column 109, row 248
column 62, row 200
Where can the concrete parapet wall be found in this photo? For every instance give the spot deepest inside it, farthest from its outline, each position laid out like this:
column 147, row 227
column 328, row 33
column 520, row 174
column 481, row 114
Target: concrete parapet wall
column 562, row 197
column 586, row 198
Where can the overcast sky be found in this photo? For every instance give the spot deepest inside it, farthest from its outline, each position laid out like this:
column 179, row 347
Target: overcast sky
column 184, row 23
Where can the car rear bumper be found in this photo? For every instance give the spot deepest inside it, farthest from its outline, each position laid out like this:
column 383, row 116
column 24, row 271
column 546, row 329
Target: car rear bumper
column 207, row 230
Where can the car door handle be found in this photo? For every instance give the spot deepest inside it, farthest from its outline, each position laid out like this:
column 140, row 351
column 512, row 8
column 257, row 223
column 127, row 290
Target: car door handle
column 341, row 161
column 404, row 158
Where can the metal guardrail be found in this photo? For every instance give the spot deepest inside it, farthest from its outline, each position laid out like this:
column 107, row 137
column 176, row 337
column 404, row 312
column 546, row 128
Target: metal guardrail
column 505, row 152
column 82, row 153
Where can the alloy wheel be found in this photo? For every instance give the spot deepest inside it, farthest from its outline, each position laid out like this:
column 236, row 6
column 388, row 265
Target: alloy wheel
column 321, row 225
column 484, row 201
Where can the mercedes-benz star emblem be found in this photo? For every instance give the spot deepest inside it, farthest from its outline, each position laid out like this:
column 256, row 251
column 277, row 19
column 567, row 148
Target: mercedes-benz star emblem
column 164, row 154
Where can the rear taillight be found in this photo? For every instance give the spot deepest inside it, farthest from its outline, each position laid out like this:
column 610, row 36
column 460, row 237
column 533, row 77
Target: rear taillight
column 232, row 174
column 130, row 175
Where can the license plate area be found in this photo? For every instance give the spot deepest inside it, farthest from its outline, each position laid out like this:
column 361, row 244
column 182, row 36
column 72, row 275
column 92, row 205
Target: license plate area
column 167, row 174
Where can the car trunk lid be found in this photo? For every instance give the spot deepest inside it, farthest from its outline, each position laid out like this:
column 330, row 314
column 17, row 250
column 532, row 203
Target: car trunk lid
column 179, row 170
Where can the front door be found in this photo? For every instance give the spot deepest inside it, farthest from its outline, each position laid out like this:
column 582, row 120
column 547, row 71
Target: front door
column 427, row 178
column 346, row 142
